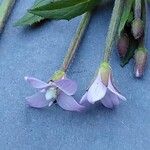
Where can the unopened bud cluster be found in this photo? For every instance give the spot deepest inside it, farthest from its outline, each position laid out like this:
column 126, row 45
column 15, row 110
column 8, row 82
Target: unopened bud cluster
column 132, row 38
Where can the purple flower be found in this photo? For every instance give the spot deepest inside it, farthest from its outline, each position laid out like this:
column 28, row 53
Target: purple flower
column 103, row 90
column 58, row 90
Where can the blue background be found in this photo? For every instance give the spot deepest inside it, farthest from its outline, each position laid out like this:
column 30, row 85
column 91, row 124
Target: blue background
column 39, row 51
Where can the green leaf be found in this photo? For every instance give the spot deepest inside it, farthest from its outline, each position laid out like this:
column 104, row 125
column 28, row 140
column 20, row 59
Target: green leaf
column 28, row 18
column 131, row 17
column 126, row 15
column 63, row 9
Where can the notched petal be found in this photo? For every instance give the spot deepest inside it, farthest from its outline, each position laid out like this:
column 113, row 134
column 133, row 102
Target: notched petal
column 110, row 100
column 69, row 103
column 36, row 83
column 114, row 90
column 37, row 101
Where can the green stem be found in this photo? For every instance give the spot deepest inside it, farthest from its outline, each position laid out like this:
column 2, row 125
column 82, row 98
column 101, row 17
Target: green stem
column 76, row 40
column 5, row 9
column 112, row 31
column 143, row 40
column 146, row 23
column 138, row 9
column 105, row 2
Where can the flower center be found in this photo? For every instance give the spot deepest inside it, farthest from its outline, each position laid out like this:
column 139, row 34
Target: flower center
column 51, row 94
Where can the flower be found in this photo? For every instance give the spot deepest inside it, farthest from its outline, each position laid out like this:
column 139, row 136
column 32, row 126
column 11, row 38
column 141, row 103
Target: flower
column 103, row 90
column 59, row 90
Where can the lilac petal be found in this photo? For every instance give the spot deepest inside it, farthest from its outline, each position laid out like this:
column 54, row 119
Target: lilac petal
column 114, row 90
column 67, row 86
column 36, row 83
column 110, row 100
column 84, row 98
column 84, row 101
column 97, row 91
column 68, row 103
column 38, row 100
column 50, row 103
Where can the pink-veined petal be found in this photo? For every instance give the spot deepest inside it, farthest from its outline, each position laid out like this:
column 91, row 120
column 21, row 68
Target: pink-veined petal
column 97, row 91
column 69, row 103
column 110, row 100
column 67, row 86
column 36, row 83
column 38, row 100
column 114, row 90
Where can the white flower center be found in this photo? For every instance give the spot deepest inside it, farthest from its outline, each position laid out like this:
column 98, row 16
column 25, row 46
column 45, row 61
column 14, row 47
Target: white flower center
column 51, row 94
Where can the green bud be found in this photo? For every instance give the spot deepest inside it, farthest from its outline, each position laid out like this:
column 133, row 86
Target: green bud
column 104, row 72
column 140, row 61
column 137, row 28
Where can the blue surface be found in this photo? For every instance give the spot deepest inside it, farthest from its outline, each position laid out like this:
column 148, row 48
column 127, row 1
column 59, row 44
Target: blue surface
column 39, row 52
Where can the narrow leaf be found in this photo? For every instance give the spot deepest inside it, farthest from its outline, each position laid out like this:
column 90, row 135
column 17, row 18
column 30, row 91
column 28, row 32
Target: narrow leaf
column 126, row 14
column 64, row 9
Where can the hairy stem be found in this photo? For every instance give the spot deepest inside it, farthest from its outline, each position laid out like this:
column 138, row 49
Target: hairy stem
column 144, row 12
column 105, row 2
column 138, row 9
column 112, row 31
column 146, row 21
column 76, row 40
column 5, row 9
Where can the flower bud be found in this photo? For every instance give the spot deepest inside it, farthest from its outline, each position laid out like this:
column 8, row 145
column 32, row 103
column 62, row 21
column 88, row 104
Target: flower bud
column 123, row 45
column 105, row 71
column 140, row 62
column 137, row 28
